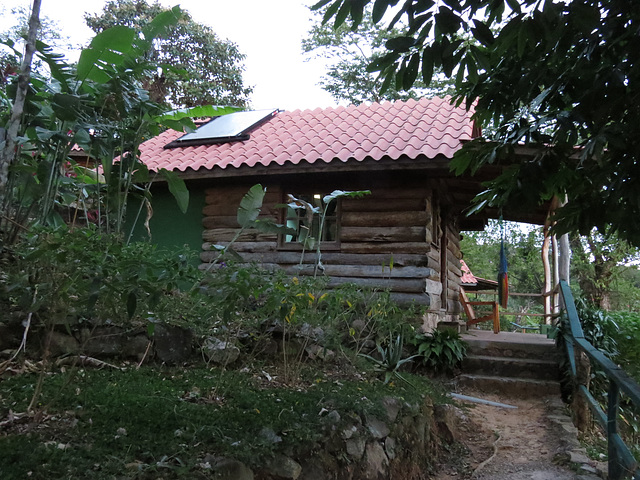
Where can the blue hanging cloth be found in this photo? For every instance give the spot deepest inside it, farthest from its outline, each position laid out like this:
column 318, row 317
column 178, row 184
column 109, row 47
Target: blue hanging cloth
column 503, row 276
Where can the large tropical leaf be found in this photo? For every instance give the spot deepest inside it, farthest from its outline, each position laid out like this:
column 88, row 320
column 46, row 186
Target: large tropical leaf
column 177, row 187
column 250, row 206
column 181, row 119
column 108, row 48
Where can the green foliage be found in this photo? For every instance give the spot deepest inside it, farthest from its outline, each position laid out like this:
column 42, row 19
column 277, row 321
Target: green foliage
column 627, row 337
column 99, row 106
column 617, row 335
column 151, row 422
column 441, row 350
column 181, row 80
column 85, row 277
column 349, row 53
column 391, row 359
column 310, row 238
column 598, row 263
column 556, row 76
column 523, row 244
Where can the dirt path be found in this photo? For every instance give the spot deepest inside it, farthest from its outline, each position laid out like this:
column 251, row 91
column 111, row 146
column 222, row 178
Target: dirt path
column 531, row 442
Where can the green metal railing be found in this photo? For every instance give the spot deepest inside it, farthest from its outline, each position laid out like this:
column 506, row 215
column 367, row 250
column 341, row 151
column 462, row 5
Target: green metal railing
column 622, row 463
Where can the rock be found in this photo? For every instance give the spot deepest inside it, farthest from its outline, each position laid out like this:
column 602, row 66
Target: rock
column 376, row 462
column 392, row 407
column 229, row 469
column 173, row 344
column 103, row 342
column 219, row 352
column 270, row 436
column 135, row 347
column 319, row 352
column 447, row 420
column 377, row 428
column 316, row 334
column 321, row 467
column 348, row 432
column 359, row 325
column 333, row 417
column 390, row 447
column 284, row 467
column 61, row 344
column 355, row 447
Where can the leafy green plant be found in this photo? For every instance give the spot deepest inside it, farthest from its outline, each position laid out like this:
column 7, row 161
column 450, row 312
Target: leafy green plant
column 441, row 350
column 247, row 217
column 391, row 359
column 84, row 276
column 306, row 237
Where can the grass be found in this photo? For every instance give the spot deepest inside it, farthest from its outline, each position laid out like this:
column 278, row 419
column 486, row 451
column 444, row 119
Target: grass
column 165, row 423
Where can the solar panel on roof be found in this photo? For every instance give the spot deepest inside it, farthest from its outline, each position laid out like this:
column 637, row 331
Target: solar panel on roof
column 226, row 128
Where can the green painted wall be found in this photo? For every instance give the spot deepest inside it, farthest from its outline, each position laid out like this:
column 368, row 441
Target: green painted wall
column 170, row 228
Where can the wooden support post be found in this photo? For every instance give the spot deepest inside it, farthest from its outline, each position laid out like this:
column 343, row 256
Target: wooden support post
column 613, row 405
column 579, row 404
column 547, row 273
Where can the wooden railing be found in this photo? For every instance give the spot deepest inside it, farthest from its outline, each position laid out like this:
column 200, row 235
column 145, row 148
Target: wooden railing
column 622, row 463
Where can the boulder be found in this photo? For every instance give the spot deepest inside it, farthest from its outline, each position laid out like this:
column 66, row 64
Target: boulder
column 173, row 344
column 220, row 352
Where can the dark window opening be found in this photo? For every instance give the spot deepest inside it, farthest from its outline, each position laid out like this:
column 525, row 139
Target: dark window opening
column 304, row 215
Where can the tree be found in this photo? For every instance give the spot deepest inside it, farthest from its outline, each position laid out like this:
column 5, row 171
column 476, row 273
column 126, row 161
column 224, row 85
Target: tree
column 349, row 52
column 523, row 245
column 197, row 67
column 99, row 105
column 48, row 31
column 599, row 263
column 560, row 78
column 16, row 110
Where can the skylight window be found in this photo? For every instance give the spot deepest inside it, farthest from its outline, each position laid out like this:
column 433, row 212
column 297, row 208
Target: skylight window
column 233, row 127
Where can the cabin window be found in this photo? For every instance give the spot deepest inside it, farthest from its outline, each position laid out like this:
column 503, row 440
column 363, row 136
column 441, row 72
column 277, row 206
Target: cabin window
column 304, row 213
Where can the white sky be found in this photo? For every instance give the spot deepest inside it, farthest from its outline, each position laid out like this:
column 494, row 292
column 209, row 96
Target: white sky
column 268, row 32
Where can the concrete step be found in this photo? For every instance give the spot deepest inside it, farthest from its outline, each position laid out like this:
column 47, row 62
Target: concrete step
column 509, row 344
column 509, row 386
column 512, row 367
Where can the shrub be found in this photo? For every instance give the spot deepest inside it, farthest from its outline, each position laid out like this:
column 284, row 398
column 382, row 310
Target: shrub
column 441, row 350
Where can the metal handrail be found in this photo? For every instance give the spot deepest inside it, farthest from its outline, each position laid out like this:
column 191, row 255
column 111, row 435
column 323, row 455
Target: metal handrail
column 622, row 463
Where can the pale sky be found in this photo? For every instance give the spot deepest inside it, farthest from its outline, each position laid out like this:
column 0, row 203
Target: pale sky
column 268, row 32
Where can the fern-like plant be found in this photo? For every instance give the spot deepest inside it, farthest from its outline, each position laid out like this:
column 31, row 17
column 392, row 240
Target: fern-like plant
column 441, row 350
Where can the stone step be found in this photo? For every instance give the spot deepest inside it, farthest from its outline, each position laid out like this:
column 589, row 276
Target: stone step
column 507, row 344
column 509, row 386
column 511, row 367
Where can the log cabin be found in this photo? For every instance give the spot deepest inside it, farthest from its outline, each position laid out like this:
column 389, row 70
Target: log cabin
column 400, row 151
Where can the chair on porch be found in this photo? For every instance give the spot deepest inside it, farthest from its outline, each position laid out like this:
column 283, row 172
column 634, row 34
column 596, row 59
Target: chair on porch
column 472, row 319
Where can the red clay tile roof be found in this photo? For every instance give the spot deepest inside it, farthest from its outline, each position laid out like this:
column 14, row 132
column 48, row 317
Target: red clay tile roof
column 467, row 277
column 471, row 282
column 428, row 127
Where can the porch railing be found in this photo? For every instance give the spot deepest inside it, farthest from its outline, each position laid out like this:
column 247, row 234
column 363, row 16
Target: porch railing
column 622, row 464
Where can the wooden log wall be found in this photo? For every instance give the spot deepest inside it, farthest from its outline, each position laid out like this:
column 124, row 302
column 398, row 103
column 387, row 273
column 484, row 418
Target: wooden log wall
column 390, row 226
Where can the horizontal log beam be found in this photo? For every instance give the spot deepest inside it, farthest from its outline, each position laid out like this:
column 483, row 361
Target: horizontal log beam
column 217, row 235
column 411, row 298
column 330, row 258
column 387, row 248
column 382, row 234
column 395, row 284
column 243, row 247
column 373, row 204
column 383, row 219
column 230, row 209
column 363, row 271
column 233, row 195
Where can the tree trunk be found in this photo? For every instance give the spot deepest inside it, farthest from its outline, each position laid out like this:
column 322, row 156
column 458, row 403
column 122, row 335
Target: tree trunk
column 8, row 154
